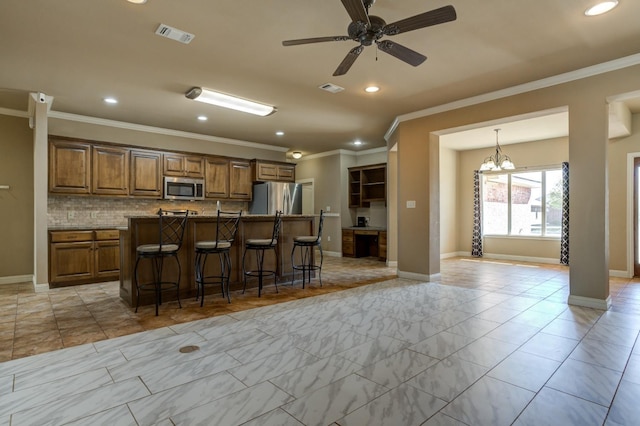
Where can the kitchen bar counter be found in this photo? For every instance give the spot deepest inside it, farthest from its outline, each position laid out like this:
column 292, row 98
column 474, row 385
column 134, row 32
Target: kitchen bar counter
column 144, row 230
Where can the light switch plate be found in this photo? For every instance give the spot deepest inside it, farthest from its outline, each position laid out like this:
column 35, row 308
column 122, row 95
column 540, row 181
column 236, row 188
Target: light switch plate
column 411, row 204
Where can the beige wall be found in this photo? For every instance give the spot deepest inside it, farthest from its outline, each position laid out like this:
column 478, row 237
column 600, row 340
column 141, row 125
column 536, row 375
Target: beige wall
column 16, row 204
column 588, row 128
column 619, row 232
column 449, row 193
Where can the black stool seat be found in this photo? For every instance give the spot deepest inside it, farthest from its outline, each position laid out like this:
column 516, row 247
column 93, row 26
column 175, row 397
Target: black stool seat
column 226, row 230
column 260, row 245
column 306, row 245
column 171, row 226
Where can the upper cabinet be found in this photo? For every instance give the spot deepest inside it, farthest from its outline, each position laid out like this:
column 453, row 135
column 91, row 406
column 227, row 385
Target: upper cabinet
column 367, row 184
column 146, row 173
column 183, row 165
column 110, row 167
column 69, row 167
column 216, row 177
column 241, row 186
column 273, row 171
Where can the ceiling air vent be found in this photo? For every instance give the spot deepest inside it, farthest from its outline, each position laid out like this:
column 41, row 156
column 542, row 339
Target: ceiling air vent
column 174, row 34
column 331, row 88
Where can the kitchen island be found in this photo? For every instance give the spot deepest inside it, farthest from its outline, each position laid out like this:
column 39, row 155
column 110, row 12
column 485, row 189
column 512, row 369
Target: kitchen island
column 144, row 230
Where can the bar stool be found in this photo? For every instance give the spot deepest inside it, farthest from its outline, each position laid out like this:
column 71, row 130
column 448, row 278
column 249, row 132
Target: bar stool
column 307, row 244
column 226, row 230
column 171, row 226
column 259, row 246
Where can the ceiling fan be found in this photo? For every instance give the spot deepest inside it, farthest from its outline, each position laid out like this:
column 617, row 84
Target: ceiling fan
column 368, row 29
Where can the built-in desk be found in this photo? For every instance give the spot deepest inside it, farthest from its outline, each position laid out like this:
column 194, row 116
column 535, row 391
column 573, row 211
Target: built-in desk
column 366, row 241
column 144, row 230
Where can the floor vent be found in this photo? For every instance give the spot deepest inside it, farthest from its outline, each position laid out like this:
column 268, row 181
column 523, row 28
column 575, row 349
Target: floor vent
column 174, row 34
column 331, row 88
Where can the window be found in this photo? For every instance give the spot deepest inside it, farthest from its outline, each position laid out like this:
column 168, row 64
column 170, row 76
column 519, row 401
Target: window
column 522, row 203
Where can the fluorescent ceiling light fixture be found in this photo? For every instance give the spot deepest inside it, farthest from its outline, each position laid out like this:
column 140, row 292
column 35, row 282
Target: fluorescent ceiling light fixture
column 111, row 100
column 202, row 118
column 372, row 89
column 296, row 154
column 227, row 101
column 279, row 133
column 600, row 8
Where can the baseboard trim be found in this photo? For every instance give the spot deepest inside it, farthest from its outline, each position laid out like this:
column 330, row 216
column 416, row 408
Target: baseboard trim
column 392, row 264
column 332, row 253
column 589, row 302
column 417, row 277
column 619, row 274
column 16, row 279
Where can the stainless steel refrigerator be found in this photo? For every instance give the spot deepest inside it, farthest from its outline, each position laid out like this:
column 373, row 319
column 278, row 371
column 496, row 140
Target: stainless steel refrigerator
column 269, row 197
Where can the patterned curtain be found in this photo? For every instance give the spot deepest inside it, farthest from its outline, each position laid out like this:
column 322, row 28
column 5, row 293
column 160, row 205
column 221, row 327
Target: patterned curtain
column 476, row 243
column 564, row 238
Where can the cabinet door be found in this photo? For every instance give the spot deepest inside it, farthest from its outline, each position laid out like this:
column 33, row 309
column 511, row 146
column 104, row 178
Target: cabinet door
column 69, row 167
column 240, row 180
column 110, row 171
column 287, row 173
column 347, row 243
column 173, row 165
column 146, row 173
column 194, row 167
column 216, row 178
column 71, row 261
column 382, row 245
column 266, row 171
column 107, row 258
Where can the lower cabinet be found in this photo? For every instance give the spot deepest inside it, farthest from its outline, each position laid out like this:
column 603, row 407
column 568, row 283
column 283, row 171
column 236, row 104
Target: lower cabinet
column 82, row 257
column 364, row 242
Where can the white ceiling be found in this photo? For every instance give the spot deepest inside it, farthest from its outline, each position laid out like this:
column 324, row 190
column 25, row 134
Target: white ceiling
column 80, row 51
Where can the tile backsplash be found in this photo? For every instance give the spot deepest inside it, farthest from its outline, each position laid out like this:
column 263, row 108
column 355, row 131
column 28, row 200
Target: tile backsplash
column 73, row 212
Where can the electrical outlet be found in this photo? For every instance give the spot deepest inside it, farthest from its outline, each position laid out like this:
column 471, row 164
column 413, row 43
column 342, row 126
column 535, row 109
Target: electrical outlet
column 94, row 215
column 328, row 238
column 328, row 208
column 71, row 215
column 411, row 204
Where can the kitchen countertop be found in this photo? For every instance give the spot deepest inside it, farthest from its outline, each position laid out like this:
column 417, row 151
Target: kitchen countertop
column 366, row 228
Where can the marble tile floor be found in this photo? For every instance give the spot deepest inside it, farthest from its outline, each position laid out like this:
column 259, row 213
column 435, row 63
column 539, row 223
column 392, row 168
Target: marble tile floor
column 33, row 323
column 488, row 343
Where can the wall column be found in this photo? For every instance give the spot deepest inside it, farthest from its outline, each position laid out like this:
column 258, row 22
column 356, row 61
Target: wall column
column 589, row 204
column 40, row 189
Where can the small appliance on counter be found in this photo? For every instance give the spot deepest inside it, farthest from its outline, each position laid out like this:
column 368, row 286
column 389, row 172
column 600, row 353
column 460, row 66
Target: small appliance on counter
column 363, row 222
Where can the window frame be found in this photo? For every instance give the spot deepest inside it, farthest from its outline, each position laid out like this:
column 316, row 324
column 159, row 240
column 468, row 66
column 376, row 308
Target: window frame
column 543, row 189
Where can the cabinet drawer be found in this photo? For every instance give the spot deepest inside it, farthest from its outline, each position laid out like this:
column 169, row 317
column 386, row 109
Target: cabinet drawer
column 70, row 236
column 366, row 232
column 347, row 248
column 107, row 234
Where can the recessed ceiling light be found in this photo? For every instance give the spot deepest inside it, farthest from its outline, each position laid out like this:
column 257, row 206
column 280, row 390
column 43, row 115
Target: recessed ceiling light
column 357, row 143
column 137, row 1
column 600, row 8
column 279, row 133
column 202, row 118
column 111, row 100
column 372, row 89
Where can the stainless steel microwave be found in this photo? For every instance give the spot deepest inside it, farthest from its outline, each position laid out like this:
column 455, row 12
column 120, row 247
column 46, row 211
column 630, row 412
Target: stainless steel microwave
column 178, row 188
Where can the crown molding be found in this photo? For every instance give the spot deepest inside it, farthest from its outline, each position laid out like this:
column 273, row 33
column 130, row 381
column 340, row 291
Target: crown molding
column 343, row 152
column 567, row 77
column 14, row 112
column 159, row 130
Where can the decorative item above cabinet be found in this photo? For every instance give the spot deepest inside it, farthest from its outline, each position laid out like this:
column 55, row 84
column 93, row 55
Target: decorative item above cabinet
column 273, row 171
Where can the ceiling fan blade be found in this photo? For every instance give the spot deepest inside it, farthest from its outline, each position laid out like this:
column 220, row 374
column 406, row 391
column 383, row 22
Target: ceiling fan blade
column 314, row 40
column 356, row 10
column 348, row 60
column 405, row 54
column 427, row 19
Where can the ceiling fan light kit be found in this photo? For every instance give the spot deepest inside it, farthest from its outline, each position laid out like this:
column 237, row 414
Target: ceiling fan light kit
column 369, row 29
column 212, row 97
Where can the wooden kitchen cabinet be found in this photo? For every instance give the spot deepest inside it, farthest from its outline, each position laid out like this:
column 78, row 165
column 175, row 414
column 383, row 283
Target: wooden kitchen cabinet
column 348, row 249
column 216, row 177
column 69, row 167
column 367, row 184
column 82, row 257
column 273, row 171
column 110, row 171
column 145, row 173
column 183, row 165
column 382, row 245
column 240, row 183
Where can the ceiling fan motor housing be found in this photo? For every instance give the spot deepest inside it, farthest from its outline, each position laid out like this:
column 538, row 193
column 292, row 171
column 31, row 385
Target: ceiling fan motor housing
column 367, row 34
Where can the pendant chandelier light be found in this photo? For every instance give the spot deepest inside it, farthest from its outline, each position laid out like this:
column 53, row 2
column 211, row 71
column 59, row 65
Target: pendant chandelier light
column 499, row 161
